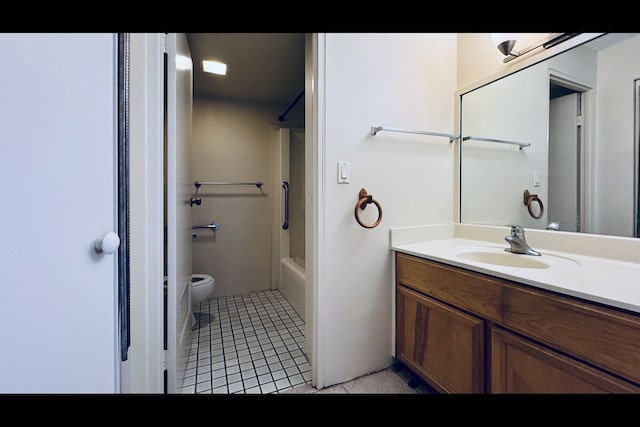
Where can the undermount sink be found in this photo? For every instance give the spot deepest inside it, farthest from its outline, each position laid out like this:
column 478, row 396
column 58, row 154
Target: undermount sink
column 498, row 256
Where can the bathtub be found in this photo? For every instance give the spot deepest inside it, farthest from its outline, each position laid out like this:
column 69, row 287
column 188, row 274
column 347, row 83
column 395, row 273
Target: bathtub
column 292, row 282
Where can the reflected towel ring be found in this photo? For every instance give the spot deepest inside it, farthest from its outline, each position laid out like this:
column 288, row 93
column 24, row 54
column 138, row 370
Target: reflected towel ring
column 528, row 201
column 364, row 200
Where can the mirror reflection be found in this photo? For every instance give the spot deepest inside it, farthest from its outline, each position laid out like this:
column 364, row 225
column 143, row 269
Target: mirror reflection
column 555, row 145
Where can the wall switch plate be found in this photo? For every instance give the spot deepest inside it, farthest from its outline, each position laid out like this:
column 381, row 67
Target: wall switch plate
column 344, row 172
column 536, row 178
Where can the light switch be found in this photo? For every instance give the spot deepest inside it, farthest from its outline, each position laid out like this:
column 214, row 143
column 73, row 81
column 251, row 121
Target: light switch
column 536, row 178
column 344, row 172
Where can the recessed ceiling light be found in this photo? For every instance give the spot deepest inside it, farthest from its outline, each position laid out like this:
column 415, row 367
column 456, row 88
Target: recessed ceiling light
column 214, row 67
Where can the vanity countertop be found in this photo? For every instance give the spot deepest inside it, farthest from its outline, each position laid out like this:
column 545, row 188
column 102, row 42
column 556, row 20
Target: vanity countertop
column 581, row 273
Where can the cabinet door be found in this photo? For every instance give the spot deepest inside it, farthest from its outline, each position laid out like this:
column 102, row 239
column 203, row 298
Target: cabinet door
column 443, row 345
column 519, row 365
column 601, row 336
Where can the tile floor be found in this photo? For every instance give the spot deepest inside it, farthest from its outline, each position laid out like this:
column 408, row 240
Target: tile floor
column 254, row 344
column 250, row 344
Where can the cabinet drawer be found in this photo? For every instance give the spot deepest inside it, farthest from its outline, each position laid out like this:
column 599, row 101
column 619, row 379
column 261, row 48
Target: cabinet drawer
column 603, row 336
column 476, row 293
column 522, row 366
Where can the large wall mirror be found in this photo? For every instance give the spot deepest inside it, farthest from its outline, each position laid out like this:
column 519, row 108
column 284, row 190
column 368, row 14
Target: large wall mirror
column 555, row 145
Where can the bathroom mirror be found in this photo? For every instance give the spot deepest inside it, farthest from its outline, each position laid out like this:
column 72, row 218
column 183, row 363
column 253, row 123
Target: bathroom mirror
column 555, row 145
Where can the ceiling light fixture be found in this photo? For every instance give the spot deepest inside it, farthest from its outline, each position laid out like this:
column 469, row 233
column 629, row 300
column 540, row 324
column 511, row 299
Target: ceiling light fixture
column 214, row 67
column 505, row 42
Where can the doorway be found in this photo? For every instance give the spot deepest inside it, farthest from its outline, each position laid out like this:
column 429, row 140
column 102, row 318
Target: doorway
column 231, row 149
column 568, row 180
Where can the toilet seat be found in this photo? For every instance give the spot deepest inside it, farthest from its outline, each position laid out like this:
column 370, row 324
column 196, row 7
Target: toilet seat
column 201, row 287
column 200, row 280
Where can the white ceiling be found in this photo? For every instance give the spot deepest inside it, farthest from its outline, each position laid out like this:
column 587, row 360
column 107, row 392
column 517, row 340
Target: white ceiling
column 262, row 67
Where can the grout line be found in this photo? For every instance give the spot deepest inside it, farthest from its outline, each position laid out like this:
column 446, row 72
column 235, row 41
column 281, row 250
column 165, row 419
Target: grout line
column 267, row 316
column 271, row 321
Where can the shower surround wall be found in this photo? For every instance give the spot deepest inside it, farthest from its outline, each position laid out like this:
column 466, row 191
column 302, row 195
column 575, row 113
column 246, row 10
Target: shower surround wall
column 231, row 143
column 288, row 242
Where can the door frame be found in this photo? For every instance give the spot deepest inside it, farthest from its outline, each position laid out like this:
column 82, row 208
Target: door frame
column 144, row 372
column 585, row 137
column 636, row 157
column 145, row 368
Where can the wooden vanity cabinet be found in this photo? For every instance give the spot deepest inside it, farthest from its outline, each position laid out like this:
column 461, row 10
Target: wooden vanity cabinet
column 466, row 332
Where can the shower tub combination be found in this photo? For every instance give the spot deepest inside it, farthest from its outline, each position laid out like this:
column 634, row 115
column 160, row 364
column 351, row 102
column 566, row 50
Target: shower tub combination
column 292, row 282
column 288, row 260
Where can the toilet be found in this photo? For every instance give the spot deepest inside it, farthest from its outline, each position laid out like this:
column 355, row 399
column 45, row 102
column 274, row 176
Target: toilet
column 201, row 287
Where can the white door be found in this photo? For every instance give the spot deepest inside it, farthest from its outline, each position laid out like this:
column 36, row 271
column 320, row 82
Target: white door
column 180, row 188
column 58, row 312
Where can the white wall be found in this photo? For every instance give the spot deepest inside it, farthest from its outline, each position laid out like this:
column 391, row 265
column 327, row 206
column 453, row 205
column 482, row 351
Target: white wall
column 179, row 104
column 398, row 80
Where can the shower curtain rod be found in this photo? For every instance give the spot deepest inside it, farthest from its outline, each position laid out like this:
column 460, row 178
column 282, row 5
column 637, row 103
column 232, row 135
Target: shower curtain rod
column 281, row 117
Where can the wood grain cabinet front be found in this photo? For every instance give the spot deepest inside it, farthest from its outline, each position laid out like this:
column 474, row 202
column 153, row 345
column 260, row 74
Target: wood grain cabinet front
column 599, row 335
column 467, row 332
column 519, row 365
column 440, row 342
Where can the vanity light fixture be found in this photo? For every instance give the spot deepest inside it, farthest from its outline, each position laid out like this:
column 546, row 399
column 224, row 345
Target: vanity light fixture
column 214, row 67
column 505, row 42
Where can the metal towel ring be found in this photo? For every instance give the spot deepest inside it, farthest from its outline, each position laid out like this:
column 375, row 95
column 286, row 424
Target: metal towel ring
column 364, row 200
column 529, row 199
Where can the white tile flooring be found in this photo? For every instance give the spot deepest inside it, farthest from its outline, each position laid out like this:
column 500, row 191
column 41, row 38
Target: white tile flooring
column 246, row 344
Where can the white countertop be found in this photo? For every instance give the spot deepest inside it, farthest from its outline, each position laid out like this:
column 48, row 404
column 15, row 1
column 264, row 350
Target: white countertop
column 595, row 278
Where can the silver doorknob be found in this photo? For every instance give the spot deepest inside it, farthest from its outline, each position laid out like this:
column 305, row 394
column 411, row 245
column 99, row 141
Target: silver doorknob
column 108, row 243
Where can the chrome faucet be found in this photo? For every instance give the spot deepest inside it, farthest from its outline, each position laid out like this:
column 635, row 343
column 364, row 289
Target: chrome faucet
column 518, row 243
column 553, row 226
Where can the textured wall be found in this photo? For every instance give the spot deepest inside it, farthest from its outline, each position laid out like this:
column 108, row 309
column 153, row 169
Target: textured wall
column 399, row 80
